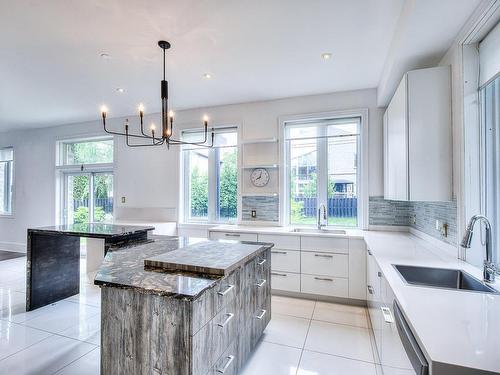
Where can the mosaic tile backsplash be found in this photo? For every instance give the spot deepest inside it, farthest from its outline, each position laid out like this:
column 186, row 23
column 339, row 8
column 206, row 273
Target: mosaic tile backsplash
column 399, row 213
column 267, row 208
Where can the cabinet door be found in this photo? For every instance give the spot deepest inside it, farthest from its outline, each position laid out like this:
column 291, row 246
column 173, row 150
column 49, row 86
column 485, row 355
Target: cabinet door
column 396, row 153
column 374, row 299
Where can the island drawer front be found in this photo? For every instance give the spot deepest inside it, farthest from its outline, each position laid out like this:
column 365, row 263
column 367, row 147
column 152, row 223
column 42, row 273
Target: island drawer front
column 328, row 244
column 227, row 289
column 285, row 260
column 259, row 320
column 233, row 236
column 324, row 285
column 228, row 362
column 281, row 242
column 326, row 264
column 214, row 338
column 285, row 281
column 256, row 269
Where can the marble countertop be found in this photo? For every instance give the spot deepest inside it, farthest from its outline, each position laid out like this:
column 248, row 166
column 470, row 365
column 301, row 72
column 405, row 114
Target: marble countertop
column 452, row 327
column 289, row 231
column 125, row 268
column 98, row 230
column 218, row 259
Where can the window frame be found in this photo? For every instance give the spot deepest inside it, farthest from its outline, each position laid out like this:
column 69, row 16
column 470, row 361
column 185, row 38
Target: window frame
column 213, row 185
column 62, row 170
column 362, row 162
column 12, row 189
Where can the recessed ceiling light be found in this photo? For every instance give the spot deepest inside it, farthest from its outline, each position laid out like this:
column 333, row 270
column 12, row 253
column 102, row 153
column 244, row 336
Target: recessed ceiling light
column 120, row 90
column 207, row 75
column 326, row 56
column 105, row 56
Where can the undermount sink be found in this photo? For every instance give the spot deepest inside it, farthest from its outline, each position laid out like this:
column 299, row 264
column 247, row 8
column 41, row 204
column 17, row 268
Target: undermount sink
column 442, row 278
column 312, row 230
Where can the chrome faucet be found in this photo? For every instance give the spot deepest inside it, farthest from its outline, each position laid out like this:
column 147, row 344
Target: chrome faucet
column 322, row 219
column 489, row 267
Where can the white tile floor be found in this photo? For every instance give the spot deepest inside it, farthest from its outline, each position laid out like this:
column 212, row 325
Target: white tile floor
column 304, row 337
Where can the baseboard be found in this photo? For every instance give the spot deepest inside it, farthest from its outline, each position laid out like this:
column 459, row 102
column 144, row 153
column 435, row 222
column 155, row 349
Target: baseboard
column 450, row 249
column 16, row 247
column 316, row 297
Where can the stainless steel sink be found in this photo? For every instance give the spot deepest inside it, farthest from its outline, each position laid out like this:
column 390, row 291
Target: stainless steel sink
column 312, row 230
column 442, row 278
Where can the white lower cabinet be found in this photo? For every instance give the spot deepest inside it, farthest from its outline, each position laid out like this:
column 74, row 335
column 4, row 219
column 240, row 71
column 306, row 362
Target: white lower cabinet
column 286, row 281
column 216, row 235
column 325, row 264
column 285, row 260
column 380, row 300
column 324, row 285
column 320, row 265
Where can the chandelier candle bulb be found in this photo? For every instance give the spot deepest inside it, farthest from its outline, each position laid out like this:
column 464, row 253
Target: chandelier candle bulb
column 141, row 109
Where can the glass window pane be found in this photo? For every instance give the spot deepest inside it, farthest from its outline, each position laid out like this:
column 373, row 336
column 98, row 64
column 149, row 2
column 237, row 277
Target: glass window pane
column 90, row 152
column 198, row 183
column 342, row 181
column 227, row 186
column 77, row 199
column 103, row 197
column 6, row 180
column 303, row 178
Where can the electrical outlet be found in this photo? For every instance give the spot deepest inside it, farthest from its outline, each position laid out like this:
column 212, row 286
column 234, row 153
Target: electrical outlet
column 123, row 199
column 442, row 228
column 413, row 219
column 254, row 214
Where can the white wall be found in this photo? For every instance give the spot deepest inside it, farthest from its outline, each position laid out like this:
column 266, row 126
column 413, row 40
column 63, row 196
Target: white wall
column 149, row 177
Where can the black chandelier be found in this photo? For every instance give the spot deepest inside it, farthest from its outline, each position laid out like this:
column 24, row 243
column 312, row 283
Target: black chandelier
column 167, row 120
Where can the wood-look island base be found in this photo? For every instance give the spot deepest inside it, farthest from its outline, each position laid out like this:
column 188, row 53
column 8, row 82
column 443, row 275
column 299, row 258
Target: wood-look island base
column 173, row 322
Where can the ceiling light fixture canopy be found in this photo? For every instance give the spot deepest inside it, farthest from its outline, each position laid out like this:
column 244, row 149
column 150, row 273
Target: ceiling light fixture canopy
column 167, row 120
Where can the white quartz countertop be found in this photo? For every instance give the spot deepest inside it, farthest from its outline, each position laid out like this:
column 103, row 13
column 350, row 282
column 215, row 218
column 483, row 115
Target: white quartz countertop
column 455, row 328
column 289, row 231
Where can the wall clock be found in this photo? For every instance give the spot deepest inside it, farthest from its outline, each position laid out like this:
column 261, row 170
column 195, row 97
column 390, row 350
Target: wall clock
column 259, row 177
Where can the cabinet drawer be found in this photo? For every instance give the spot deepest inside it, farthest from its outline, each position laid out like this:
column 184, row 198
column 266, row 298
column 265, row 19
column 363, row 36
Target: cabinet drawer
column 285, row 260
column 281, row 242
column 325, row 264
column 225, row 327
column 324, row 285
column 331, row 245
column 285, row 281
column 227, row 364
column 227, row 289
column 233, row 236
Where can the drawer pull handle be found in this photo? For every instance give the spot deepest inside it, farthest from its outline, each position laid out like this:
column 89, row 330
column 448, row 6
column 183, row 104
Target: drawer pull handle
column 323, row 279
column 386, row 313
column 261, row 283
column 262, row 314
column 279, row 274
column 279, row 252
column 230, row 359
column 232, row 235
column 228, row 319
column 261, row 262
column 370, row 289
column 226, row 291
column 379, row 274
column 369, row 252
column 323, row 256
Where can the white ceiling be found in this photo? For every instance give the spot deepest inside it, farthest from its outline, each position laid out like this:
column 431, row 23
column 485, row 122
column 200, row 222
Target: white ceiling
column 52, row 73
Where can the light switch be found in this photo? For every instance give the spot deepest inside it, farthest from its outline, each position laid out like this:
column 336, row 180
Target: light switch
column 123, row 199
column 254, row 214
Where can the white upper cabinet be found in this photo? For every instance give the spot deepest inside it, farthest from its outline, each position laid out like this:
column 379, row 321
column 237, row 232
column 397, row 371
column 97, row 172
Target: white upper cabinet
column 417, row 138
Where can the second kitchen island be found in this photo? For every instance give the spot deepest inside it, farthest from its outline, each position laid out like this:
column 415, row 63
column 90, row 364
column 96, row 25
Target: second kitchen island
column 175, row 307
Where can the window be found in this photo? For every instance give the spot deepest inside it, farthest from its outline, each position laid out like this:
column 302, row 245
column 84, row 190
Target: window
column 211, row 177
column 322, row 168
column 6, row 180
column 490, row 100
column 86, row 180
column 96, row 151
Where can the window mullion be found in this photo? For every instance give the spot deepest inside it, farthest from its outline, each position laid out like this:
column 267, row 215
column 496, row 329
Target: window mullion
column 322, row 173
column 212, row 189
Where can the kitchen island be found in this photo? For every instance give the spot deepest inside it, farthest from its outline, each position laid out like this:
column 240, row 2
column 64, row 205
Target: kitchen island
column 53, row 257
column 183, row 306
